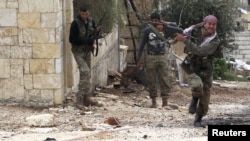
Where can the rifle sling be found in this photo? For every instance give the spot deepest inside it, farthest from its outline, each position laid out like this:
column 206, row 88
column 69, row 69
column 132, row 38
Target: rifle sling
column 97, row 46
column 157, row 32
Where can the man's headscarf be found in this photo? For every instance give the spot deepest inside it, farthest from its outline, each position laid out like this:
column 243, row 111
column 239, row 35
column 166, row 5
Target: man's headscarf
column 209, row 18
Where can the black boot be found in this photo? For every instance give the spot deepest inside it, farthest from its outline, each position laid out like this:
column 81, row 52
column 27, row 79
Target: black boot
column 154, row 104
column 87, row 101
column 79, row 102
column 197, row 121
column 193, row 105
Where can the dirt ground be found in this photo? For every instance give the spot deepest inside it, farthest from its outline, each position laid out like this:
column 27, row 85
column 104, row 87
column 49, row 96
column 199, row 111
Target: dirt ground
column 229, row 105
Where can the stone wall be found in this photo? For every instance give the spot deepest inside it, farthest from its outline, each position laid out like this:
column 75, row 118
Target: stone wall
column 37, row 66
column 243, row 52
column 131, row 31
column 31, row 50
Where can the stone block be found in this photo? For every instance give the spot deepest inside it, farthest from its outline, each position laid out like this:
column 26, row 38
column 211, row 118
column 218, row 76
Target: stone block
column 17, row 71
column 28, row 82
column 6, row 37
column 5, row 68
column 21, row 52
column 49, row 20
column 42, row 66
column 59, row 96
column 47, row 51
column 33, row 95
column 37, row 35
column 11, row 88
column 16, row 61
column 47, row 95
column 59, row 34
column 58, row 5
column 47, row 81
column 36, row 6
column 59, row 65
column 4, row 52
column 42, row 120
column 2, row 5
column 244, row 51
column 8, row 17
column 12, row 4
column 14, row 31
column 28, row 20
column 26, row 66
column 127, row 33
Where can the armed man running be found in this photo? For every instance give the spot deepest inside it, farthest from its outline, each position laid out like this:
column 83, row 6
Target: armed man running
column 199, row 65
column 82, row 30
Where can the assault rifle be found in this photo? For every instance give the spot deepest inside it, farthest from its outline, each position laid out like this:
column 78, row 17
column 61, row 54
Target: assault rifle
column 169, row 33
column 97, row 35
column 169, row 29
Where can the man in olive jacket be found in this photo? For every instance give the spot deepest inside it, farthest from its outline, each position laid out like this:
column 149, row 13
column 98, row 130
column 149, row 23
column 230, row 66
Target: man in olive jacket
column 81, row 38
column 155, row 62
column 200, row 63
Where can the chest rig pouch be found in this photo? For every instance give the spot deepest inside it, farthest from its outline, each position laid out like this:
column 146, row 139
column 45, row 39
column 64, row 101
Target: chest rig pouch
column 86, row 31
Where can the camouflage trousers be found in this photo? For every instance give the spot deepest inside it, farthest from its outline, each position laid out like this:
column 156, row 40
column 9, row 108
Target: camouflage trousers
column 200, row 86
column 157, row 70
column 85, row 84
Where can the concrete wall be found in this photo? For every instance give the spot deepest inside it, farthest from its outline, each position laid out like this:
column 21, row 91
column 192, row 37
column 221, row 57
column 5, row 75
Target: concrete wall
column 37, row 66
column 243, row 52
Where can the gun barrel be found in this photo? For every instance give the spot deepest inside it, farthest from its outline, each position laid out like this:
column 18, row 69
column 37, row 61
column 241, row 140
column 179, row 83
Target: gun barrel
column 169, row 31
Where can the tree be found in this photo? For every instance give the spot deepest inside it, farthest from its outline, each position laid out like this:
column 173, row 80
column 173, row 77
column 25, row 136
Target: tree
column 98, row 8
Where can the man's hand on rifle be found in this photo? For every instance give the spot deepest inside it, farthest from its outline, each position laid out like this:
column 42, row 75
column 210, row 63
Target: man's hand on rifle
column 98, row 28
column 180, row 37
column 138, row 64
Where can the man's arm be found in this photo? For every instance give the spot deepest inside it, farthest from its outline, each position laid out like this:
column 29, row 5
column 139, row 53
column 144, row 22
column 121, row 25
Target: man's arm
column 205, row 50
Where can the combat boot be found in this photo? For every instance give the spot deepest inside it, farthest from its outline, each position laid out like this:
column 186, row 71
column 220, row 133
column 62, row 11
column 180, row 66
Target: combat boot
column 79, row 102
column 193, row 105
column 164, row 102
column 89, row 102
column 167, row 106
column 197, row 121
column 154, row 104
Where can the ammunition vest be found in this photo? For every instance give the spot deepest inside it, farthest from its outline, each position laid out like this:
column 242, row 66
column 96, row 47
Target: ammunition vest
column 85, row 32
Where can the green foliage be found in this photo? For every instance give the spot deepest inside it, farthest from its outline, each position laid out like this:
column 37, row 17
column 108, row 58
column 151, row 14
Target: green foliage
column 188, row 12
column 232, row 59
column 232, row 77
column 220, row 67
column 98, row 7
column 221, row 71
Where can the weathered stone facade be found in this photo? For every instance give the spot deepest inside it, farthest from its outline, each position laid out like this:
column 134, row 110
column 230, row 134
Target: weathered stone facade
column 36, row 63
column 243, row 52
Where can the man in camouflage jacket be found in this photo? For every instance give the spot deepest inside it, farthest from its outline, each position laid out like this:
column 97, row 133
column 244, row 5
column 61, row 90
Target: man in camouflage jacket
column 199, row 66
column 82, row 30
